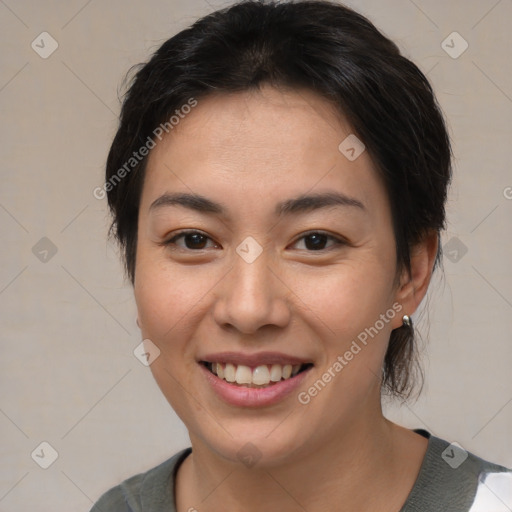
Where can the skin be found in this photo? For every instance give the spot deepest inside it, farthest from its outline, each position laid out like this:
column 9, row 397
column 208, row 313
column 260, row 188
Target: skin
column 249, row 151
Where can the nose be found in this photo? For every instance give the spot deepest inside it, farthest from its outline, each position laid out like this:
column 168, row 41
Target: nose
column 252, row 295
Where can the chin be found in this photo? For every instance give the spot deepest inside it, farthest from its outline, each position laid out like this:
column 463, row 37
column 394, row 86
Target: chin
column 255, row 445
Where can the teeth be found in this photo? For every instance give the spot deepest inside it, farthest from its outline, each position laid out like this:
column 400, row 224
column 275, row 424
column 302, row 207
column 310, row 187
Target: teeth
column 229, row 372
column 243, row 374
column 276, row 372
column 261, row 376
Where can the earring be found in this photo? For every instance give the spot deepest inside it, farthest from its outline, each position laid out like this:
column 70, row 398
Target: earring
column 407, row 321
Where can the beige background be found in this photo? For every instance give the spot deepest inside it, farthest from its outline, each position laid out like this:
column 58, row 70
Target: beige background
column 68, row 373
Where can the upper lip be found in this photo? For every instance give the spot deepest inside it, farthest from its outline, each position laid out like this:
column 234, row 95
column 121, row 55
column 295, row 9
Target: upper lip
column 253, row 360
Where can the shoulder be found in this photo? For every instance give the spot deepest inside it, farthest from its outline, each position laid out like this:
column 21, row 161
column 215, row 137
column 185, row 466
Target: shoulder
column 453, row 479
column 144, row 491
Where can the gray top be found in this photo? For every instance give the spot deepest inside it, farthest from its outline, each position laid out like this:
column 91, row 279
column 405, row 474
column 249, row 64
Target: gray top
column 448, row 481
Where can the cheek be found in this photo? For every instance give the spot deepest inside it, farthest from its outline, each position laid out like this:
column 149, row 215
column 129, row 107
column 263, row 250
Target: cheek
column 166, row 298
column 165, row 304
column 349, row 296
column 345, row 310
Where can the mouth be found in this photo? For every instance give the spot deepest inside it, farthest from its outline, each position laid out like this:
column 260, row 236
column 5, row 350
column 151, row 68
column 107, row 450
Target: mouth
column 261, row 376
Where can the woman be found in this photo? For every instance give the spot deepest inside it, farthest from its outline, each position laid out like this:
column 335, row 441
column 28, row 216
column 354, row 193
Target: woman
column 277, row 184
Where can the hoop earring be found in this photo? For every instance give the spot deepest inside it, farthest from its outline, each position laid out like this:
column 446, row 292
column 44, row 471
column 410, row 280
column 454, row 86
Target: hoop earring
column 407, row 321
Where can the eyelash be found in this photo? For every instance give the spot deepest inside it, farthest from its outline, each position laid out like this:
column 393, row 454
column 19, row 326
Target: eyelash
column 338, row 241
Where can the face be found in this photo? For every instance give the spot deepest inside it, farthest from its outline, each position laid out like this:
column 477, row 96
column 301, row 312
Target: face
column 247, row 276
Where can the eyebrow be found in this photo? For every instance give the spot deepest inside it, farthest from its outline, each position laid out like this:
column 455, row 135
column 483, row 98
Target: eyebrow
column 301, row 204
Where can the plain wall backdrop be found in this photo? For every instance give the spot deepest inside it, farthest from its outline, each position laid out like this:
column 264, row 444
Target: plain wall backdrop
column 68, row 373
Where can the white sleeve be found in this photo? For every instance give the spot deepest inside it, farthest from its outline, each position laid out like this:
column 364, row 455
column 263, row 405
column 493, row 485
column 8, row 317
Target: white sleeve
column 494, row 493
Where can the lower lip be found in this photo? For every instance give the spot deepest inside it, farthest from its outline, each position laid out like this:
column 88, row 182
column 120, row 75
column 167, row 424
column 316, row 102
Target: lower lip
column 242, row 396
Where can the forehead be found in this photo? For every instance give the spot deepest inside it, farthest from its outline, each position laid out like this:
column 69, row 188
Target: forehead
column 265, row 123
column 259, row 145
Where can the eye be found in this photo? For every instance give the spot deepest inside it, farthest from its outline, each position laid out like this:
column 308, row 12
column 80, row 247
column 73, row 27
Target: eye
column 317, row 240
column 196, row 239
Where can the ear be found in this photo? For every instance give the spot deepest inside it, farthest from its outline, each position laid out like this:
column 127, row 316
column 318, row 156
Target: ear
column 413, row 288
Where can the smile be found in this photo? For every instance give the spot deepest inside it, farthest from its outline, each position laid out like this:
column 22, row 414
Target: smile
column 262, row 376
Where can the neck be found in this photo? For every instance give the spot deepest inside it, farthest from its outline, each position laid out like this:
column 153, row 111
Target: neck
column 371, row 465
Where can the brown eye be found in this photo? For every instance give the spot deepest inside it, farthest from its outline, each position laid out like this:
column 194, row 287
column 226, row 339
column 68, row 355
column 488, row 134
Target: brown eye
column 194, row 240
column 316, row 241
